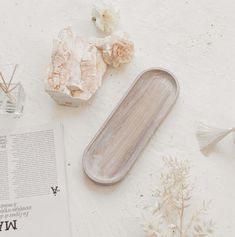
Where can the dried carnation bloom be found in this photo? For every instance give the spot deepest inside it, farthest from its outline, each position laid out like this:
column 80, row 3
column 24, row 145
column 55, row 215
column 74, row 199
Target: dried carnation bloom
column 105, row 17
column 116, row 49
column 119, row 52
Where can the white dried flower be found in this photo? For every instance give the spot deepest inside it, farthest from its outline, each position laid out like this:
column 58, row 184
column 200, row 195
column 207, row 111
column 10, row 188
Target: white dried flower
column 105, row 17
column 172, row 226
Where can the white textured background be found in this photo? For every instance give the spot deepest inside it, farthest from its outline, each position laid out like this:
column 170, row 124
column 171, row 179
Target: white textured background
column 195, row 39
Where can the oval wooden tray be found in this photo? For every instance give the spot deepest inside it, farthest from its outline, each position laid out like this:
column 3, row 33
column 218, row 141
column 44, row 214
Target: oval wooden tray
column 126, row 132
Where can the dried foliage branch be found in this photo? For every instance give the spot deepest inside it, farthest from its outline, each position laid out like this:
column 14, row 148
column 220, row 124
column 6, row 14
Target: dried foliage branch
column 168, row 216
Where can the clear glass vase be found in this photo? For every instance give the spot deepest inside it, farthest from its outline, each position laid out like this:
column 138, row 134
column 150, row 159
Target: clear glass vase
column 12, row 103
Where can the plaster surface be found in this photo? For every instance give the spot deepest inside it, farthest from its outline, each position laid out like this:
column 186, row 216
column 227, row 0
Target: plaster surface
column 194, row 39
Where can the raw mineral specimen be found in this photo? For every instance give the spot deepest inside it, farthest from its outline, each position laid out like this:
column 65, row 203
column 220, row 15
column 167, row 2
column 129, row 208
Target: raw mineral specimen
column 76, row 70
column 78, row 64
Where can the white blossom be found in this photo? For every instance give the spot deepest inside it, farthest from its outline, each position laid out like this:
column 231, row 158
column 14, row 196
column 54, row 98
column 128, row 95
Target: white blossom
column 105, row 17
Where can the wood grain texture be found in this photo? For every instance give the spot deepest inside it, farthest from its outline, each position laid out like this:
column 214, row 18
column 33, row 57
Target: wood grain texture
column 130, row 126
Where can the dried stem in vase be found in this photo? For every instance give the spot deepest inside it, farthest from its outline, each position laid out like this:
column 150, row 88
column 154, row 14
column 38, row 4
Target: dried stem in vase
column 6, row 87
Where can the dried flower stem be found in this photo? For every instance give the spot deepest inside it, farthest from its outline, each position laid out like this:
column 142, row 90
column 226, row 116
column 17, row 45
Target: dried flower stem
column 12, row 75
column 181, row 216
column 4, row 82
column 6, row 86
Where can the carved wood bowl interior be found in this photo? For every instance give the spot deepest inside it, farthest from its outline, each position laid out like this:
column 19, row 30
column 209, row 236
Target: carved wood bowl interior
column 126, row 132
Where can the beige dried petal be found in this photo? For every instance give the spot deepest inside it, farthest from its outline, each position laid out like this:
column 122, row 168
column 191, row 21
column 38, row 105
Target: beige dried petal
column 118, row 49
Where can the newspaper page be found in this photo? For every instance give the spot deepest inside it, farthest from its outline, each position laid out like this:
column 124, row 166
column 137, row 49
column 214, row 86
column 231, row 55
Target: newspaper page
column 33, row 190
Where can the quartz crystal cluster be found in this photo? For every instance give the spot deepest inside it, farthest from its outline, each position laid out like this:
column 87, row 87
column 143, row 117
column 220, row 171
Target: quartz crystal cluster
column 78, row 64
column 76, row 69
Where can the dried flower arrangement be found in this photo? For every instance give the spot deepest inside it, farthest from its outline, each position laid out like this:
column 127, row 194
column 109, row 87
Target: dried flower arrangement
column 168, row 215
column 78, row 64
column 12, row 95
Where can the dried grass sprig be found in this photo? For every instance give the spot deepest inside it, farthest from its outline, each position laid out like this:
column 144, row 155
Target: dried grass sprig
column 172, row 202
